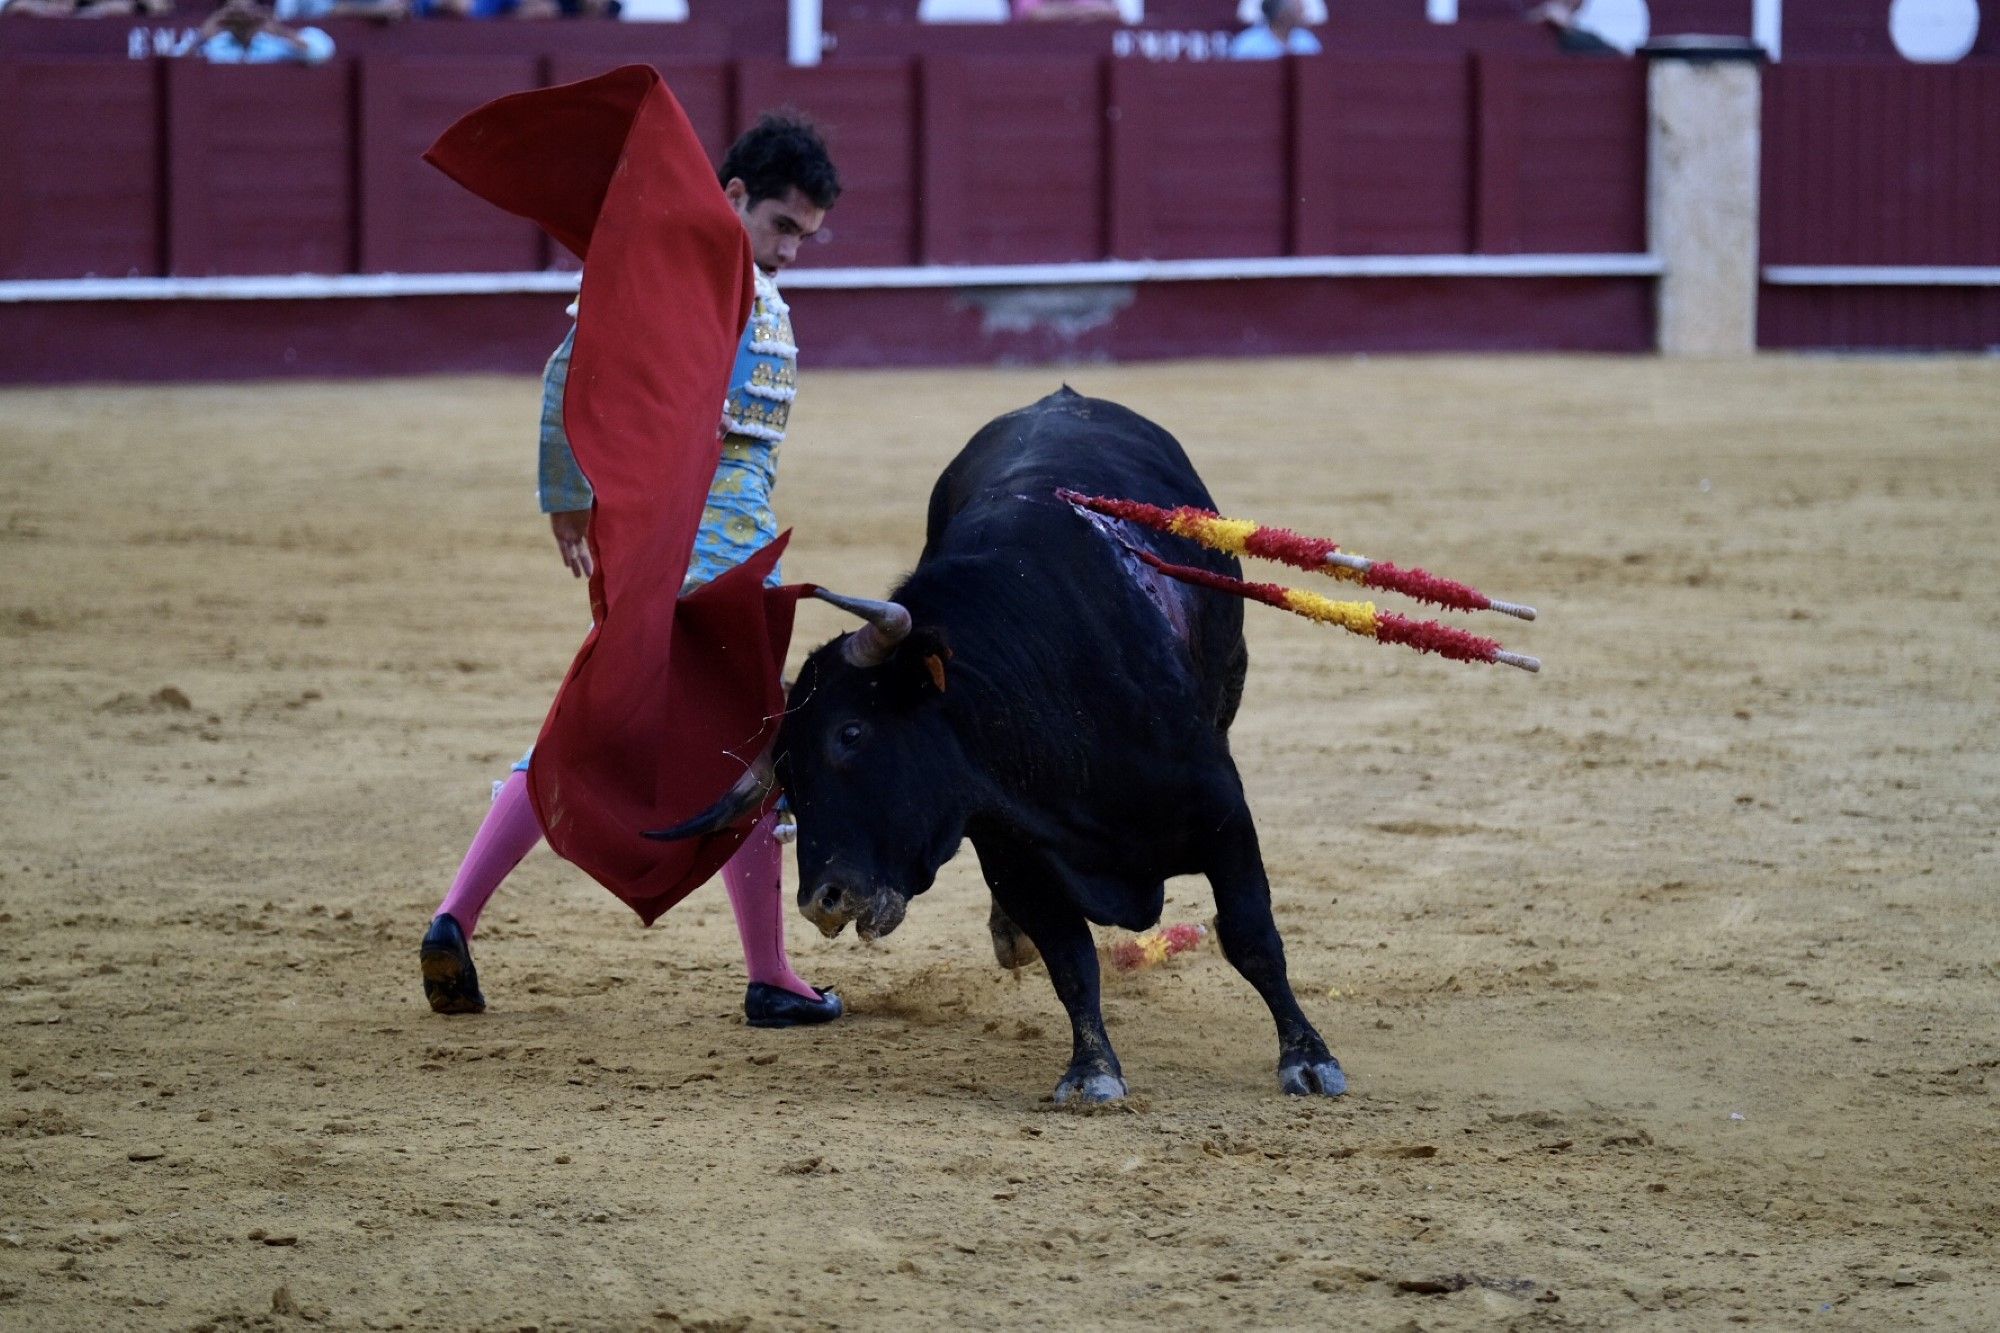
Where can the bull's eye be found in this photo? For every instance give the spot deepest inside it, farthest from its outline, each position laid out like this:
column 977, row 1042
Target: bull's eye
column 850, row 735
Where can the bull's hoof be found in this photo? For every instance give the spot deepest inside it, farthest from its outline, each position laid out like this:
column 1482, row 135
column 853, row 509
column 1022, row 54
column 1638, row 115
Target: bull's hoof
column 1307, row 1078
column 451, row 983
column 1089, row 1088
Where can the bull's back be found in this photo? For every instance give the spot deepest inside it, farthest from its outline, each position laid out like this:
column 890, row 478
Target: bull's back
column 1064, row 440
column 998, row 495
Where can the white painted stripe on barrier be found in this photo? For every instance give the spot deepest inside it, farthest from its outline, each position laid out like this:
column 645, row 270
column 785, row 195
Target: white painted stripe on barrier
column 1212, row 270
column 315, row 286
column 1880, row 275
column 288, row 287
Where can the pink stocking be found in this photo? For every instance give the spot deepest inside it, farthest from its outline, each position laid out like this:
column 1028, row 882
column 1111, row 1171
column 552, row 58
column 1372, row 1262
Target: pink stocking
column 508, row 833
column 755, row 880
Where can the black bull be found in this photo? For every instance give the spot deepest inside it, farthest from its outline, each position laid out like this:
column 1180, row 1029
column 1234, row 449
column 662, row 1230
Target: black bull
column 1060, row 705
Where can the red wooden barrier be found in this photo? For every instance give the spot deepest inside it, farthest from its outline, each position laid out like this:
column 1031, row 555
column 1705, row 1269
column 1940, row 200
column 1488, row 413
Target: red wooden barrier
column 1562, row 156
column 1838, row 28
column 706, row 89
column 262, row 164
column 413, row 219
column 1001, row 161
column 79, row 152
column 1012, row 41
column 1965, row 319
column 1382, row 156
column 1876, row 164
column 867, row 112
column 1724, row 18
column 1013, row 165
column 1199, row 159
column 1881, row 164
column 1417, row 37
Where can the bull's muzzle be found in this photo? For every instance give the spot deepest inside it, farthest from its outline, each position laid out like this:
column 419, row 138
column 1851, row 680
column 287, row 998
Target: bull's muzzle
column 831, row 904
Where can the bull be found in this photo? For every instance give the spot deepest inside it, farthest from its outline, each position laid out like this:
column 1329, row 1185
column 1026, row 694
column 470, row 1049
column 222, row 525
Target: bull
column 1035, row 688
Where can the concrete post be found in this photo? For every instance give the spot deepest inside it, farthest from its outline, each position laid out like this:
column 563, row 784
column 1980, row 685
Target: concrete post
column 1702, row 197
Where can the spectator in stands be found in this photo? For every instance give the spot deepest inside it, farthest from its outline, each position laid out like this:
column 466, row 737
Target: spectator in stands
column 1283, row 32
column 1067, row 9
column 89, row 9
column 298, row 11
column 519, row 9
column 244, row 32
column 963, row 11
column 1251, row 12
column 1560, row 17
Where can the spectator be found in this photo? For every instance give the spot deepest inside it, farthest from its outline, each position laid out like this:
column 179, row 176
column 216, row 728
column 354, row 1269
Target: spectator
column 244, row 32
column 1251, row 12
column 540, row 9
column 483, row 9
column 1560, row 18
column 298, row 11
column 962, row 11
column 88, row 9
column 1067, row 9
column 1282, row 33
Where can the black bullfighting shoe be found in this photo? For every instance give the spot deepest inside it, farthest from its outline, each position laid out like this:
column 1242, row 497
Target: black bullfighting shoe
column 451, row 983
column 766, row 1006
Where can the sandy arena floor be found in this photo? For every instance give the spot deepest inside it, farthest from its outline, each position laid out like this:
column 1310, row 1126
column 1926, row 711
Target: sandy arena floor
column 1666, row 980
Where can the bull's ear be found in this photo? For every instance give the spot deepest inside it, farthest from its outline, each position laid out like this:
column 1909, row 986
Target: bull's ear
column 921, row 660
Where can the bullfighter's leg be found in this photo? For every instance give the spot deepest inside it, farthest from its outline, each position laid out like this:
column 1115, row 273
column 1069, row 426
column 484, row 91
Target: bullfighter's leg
column 1011, row 945
column 508, row 833
column 777, row 996
column 1023, row 892
column 1250, row 941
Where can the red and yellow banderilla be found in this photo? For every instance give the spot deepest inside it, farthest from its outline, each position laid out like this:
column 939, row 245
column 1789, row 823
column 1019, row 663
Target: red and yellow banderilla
column 1235, row 536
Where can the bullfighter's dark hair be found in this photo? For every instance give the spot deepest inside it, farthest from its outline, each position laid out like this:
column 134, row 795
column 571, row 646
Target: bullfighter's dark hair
column 782, row 151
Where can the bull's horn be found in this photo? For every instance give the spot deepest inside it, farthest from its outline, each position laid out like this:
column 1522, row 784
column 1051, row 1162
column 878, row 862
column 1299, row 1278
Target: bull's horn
column 748, row 793
column 888, row 625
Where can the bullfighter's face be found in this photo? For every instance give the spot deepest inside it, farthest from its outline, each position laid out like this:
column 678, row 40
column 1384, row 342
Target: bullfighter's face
column 776, row 227
column 878, row 781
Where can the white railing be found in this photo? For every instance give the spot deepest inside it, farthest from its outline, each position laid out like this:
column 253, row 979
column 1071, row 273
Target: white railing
column 318, row 286
column 1881, row 275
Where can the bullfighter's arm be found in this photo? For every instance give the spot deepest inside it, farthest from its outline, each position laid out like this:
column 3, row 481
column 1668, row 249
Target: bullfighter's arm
column 562, row 485
column 564, row 492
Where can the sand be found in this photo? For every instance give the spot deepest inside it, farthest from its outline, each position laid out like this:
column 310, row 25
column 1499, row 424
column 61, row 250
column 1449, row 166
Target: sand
column 1666, row 980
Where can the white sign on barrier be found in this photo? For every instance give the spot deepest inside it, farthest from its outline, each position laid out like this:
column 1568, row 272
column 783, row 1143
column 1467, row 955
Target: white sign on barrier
column 145, row 43
column 1170, row 44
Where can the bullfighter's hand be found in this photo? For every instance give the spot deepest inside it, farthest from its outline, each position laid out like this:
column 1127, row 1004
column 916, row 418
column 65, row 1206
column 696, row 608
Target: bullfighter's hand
column 569, row 527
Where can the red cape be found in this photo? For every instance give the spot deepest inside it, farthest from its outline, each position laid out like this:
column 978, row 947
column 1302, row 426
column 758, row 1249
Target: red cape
column 670, row 698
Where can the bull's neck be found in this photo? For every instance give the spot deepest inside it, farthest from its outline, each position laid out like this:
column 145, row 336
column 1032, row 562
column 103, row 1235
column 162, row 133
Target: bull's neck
column 1027, row 683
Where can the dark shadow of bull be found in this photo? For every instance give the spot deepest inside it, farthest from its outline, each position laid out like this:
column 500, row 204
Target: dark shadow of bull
column 1035, row 688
